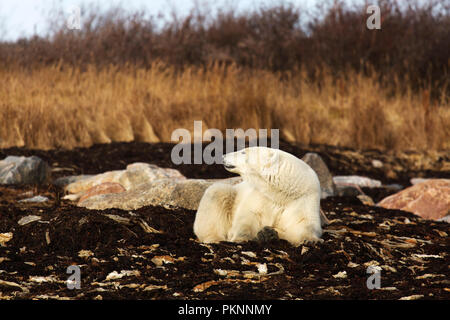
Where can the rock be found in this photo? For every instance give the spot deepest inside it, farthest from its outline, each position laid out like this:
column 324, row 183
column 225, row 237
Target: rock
column 377, row 163
column 429, row 199
column 134, row 175
column 445, row 219
column 394, row 186
column 348, row 191
column 169, row 193
column 357, row 181
column 140, row 185
column 365, row 200
column 83, row 185
column 413, row 297
column 123, row 273
column 28, row 219
column 13, row 284
column 104, row 188
column 64, row 181
column 24, row 170
column 391, row 174
column 140, row 172
column 35, row 199
column 326, row 179
column 165, row 192
column 417, row 180
column 354, row 190
column 5, row 237
column 351, row 185
column 340, row 275
column 267, row 234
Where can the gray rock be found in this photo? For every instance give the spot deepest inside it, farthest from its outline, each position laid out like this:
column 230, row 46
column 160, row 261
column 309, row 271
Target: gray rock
column 24, row 170
column 35, row 199
column 169, row 193
column 134, row 175
column 328, row 188
column 445, row 219
column 357, row 181
column 64, row 181
column 349, row 191
column 417, row 180
column 394, row 187
column 28, row 219
column 267, row 234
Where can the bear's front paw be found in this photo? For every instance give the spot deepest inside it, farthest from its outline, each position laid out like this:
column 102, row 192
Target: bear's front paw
column 267, row 234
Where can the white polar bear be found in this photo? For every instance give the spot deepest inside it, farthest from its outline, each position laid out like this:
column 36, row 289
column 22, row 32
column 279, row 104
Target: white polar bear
column 278, row 191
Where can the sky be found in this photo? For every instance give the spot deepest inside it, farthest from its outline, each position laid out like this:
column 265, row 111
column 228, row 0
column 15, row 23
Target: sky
column 24, row 18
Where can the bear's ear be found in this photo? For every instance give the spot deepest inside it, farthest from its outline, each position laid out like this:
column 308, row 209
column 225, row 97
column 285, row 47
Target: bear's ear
column 274, row 155
column 271, row 158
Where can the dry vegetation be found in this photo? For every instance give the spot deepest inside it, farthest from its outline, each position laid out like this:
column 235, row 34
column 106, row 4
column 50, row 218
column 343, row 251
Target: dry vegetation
column 65, row 107
column 121, row 79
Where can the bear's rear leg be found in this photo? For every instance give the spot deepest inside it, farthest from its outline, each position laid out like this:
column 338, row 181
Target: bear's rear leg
column 213, row 217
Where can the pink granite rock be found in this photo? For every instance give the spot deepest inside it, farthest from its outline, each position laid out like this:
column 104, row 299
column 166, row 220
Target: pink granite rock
column 103, row 188
column 135, row 174
column 429, row 199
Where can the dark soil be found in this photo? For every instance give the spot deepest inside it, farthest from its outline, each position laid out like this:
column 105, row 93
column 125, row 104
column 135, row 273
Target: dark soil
column 412, row 252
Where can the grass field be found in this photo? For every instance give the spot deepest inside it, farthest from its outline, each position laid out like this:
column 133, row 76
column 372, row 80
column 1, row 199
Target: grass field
column 332, row 82
column 61, row 106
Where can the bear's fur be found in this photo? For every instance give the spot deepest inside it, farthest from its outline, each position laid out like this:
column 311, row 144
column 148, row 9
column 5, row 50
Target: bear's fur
column 278, row 191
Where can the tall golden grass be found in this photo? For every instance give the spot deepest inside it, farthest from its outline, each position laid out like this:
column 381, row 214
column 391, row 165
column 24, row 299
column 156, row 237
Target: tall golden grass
column 63, row 106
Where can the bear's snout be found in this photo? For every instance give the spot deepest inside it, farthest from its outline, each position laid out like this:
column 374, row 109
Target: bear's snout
column 227, row 164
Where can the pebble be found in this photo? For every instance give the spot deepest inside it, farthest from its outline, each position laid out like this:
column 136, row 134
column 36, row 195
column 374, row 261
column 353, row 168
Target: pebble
column 124, row 273
column 28, row 219
column 249, row 254
column 377, row 163
column 340, row 275
column 35, row 199
column 413, row 297
column 5, row 237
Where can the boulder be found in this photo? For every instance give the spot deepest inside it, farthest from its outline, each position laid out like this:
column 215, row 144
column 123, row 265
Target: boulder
column 429, row 199
column 316, row 162
column 139, row 185
column 356, row 181
column 82, row 185
column 132, row 176
column 24, row 170
column 104, row 188
column 169, row 193
column 63, row 182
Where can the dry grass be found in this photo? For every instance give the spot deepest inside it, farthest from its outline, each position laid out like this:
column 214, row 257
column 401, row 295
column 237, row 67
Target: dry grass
column 332, row 81
column 61, row 106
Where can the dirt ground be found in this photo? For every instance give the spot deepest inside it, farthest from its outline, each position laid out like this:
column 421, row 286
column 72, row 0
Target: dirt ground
column 152, row 253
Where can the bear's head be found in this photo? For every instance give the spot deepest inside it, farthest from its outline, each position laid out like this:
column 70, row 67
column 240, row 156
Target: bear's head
column 251, row 161
column 277, row 174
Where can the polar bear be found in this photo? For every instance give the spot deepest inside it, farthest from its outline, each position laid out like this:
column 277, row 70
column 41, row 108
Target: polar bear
column 278, row 191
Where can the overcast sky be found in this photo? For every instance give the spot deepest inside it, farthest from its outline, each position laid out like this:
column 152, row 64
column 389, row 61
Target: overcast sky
column 24, row 18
